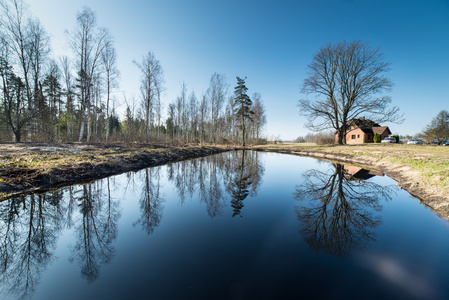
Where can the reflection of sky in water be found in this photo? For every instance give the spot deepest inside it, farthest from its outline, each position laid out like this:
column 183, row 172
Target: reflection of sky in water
column 177, row 239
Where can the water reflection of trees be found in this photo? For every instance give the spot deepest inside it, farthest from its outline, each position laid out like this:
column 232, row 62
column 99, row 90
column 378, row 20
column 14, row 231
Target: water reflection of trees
column 246, row 178
column 30, row 226
column 338, row 210
column 237, row 173
column 96, row 228
column 29, row 230
column 150, row 200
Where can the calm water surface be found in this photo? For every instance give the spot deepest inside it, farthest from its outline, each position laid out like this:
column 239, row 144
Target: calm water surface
column 238, row 225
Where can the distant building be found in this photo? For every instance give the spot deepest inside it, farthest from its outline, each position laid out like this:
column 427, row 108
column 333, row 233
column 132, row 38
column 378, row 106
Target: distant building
column 362, row 130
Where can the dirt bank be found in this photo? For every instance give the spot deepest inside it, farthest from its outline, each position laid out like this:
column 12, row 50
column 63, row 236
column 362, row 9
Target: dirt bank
column 37, row 167
column 412, row 180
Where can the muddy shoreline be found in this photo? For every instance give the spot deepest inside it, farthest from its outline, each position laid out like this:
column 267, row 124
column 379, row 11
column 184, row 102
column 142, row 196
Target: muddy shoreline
column 23, row 182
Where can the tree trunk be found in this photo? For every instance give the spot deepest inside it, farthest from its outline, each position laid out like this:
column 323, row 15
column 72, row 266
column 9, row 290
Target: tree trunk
column 342, row 136
column 17, row 136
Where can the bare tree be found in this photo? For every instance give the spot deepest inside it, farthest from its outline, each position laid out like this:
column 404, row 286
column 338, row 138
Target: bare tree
column 216, row 93
column 88, row 42
column 193, row 113
column 181, row 110
column 151, row 85
column 438, row 129
column 68, row 92
column 27, row 41
column 111, row 73
column 203, row 112
column 259, row 117
column 346, row 79
column 38, row 51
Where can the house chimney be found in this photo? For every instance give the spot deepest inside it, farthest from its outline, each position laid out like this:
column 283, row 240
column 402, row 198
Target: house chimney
column 362, row 118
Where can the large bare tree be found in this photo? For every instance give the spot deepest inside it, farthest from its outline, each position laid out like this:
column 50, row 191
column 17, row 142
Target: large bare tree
column 347, row 80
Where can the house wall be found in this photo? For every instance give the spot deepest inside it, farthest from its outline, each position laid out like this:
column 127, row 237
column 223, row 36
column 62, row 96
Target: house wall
column 384, row 134
column 356, row 136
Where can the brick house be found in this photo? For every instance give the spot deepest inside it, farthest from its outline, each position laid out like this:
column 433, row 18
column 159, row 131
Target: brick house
column 362, row 130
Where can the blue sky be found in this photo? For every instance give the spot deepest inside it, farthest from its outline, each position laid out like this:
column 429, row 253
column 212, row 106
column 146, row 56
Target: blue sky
column 271, row 43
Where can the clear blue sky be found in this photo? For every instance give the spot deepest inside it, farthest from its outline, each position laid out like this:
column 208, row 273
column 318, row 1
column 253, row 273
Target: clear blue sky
column 271, row 42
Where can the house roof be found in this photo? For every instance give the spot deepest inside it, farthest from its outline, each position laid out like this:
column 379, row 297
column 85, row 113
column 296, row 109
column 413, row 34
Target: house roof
column 380, row 129
column 367, row 130
column 373, row 130
column 363, row 123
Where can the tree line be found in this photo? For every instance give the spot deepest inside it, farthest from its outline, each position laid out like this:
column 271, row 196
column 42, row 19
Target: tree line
column 63, row 99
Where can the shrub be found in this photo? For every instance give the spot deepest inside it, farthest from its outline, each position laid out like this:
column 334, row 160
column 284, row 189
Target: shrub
column 325, row 138
column 396, row 137
column 377, row 137
column 260, row 141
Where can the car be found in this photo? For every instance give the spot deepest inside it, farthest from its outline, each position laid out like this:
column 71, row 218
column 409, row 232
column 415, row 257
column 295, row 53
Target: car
column 444, row 143
column 414, row 142
column 389, row 140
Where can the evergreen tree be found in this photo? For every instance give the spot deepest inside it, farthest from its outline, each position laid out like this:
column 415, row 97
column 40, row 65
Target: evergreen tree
column 242, row 106
column 13, row 100
column 51, row 115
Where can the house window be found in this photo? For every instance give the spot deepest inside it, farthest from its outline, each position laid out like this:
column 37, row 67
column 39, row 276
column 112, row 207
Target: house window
column 358, row 136
column 353, row 137
column 369, row 137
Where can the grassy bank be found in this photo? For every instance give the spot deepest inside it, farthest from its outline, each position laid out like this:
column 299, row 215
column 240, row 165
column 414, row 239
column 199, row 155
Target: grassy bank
column 431, row 161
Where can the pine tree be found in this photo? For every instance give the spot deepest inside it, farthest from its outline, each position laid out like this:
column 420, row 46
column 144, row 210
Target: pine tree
column 13, row 100
column 242, row 106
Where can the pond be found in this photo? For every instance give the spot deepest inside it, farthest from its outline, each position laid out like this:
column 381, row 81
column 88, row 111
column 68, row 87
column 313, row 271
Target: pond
column 237, row 225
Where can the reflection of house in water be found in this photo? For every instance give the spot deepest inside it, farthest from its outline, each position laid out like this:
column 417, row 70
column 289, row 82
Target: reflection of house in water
column 358, row 173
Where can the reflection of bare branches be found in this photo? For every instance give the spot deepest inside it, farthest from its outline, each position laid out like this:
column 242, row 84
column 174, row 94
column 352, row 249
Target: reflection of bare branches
column 200, row 175
column 339, row 217
column 209, row 188
column 30, row 226
column 239, row 173
column 97, row 231
column 151, row 201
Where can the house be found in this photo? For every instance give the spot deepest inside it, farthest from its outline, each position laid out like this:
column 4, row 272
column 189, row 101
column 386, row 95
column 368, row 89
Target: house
column 362, row 130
